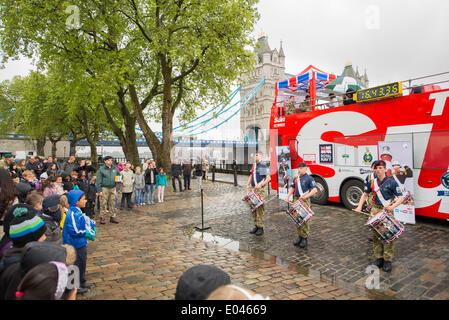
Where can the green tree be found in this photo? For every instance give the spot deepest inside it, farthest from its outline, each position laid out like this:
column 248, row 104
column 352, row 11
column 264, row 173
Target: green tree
column 146, row 58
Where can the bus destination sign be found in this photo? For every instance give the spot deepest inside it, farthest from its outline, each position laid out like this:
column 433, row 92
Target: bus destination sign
column 380, row 92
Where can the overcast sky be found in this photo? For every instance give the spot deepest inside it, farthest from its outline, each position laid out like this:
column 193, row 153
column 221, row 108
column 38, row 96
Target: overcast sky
column 394, row 40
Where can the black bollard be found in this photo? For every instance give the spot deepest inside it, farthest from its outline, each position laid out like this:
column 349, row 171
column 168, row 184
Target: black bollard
column 234, row 166
column 213, row 172
column 203, row 227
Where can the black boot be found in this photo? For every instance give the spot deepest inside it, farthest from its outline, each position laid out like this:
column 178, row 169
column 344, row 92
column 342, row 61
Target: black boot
column 387, row 266
column 303, row 243
column 259, row 232
column 82, row 290
column 379, row 262
column 298, row 241
column 254, row 230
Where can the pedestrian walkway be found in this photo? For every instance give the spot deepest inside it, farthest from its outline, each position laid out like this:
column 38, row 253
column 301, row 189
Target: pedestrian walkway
column 144, row 256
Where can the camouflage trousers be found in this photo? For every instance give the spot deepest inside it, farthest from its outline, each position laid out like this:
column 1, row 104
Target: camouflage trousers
column 108, row 196
column 258, row 214
column 304, row 230
column 381, row 250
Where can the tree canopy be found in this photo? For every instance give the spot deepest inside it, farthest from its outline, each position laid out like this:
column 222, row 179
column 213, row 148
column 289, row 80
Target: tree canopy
column 143, row 59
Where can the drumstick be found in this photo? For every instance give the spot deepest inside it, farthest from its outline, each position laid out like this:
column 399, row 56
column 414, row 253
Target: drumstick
column 366, row 214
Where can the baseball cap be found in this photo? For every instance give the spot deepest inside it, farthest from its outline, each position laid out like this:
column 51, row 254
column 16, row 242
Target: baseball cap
column 379, row 163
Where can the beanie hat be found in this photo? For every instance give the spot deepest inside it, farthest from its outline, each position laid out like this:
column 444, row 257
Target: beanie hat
column 26, row 226
column 198, row 282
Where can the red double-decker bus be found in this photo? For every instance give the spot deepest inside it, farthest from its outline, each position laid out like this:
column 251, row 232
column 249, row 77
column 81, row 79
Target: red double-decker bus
column 379, row 115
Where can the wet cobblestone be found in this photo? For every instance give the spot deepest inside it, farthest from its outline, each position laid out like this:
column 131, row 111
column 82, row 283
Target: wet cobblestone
column 144, row 255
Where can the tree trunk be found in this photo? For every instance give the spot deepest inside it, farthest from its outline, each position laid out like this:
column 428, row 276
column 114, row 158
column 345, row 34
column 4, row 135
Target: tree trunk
column 93, row 150
column 150, row 137
column 53, row 148
column 40, row 146
column 127, row 139
column 73, row 147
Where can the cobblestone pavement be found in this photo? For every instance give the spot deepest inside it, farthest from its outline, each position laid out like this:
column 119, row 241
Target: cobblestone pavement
column 144, row 255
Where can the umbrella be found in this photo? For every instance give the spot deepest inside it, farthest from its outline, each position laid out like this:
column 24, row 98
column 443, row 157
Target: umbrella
column 341, row 84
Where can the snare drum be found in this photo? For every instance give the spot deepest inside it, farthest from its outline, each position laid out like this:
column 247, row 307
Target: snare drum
column 300, row 212
column 386, row 227
column 254, row 200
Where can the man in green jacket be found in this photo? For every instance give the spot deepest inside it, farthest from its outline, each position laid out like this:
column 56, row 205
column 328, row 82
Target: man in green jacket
column 107, row 177
column 5, row 163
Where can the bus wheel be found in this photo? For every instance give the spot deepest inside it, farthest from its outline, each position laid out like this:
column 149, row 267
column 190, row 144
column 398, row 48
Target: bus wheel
column 351, row 193
column 322, row 195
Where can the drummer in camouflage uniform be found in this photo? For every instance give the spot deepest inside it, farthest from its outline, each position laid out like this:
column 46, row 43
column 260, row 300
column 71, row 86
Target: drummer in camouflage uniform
column 290, row 106
column 259, row 178
column 304, row 187
column 384, row 190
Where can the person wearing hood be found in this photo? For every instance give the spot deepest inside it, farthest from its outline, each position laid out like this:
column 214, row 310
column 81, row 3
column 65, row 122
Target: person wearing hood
column 78, row 228
column 33, row 254
column 22, row 225
column 67, row 184
column 51, row 214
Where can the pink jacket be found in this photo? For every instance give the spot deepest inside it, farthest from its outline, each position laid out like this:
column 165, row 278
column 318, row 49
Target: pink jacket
column 50, row 190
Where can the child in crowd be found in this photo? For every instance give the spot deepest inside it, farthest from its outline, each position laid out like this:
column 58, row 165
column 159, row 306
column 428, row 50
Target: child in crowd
column 29, row 178
column 139, row 187
column 58, row 185
column 35, row 199
column 67, row 184
column 161, row 183
column 91, row 196
column 49, row 187
column 74, row 180
column 22, row 225
column 46, row 281
column 78, row 228
column 82, row 182
column 127, row 185
column 52, row 170
column 51, row 214
column 64, row 204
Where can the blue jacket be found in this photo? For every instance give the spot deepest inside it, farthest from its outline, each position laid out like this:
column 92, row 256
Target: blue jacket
column 161, row 180
column 76, row 223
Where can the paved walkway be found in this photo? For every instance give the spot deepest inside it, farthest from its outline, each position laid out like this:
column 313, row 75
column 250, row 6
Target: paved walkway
column 144, row 255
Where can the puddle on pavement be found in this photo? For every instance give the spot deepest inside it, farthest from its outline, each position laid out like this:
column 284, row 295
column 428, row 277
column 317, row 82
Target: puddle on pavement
column 237, row 246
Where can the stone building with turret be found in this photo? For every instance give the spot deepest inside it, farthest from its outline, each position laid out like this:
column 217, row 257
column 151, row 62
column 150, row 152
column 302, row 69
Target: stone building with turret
column 255, row 116
column 348, row 71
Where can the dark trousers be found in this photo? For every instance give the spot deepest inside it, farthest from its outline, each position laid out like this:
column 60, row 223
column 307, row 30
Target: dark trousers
column 173, row 182
column 186, row 182
column 89, row 210
column 127, row 196
column 81, row 261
